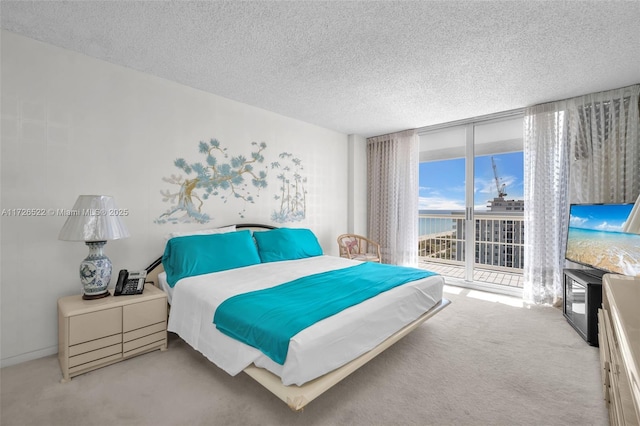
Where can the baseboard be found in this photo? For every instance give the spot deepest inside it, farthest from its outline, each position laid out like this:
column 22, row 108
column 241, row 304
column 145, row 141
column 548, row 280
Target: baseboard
column 18, row 359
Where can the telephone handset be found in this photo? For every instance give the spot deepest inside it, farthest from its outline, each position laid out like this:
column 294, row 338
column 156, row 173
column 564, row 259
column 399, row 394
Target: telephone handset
column 130, row 282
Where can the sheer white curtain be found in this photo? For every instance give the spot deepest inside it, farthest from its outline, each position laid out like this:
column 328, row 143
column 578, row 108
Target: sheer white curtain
column 579, row 150
column 392, row 175
column 546, row 180
column 604, row 146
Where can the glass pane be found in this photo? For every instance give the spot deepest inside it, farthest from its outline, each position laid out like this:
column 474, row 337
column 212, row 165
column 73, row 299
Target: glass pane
column 499, row 214
column 441, row 216
column 494, row 252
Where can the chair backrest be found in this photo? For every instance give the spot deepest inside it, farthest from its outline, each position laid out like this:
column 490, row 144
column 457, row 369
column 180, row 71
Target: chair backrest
column 352, row 245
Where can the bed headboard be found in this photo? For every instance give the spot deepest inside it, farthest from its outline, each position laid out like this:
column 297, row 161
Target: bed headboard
column 156, row 267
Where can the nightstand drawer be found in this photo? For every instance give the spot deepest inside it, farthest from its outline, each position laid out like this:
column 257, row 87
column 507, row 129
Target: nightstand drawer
column 95, row 345
column 145, row 331
column 144, row 314
column 95, row 325
column 80, row 360
column 95, row 364
column 157, row 338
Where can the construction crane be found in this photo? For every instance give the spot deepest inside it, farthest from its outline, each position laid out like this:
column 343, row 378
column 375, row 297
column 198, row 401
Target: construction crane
column 501, row 193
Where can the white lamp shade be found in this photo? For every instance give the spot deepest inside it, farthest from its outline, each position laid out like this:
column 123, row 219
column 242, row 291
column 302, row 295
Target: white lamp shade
column 94, row 218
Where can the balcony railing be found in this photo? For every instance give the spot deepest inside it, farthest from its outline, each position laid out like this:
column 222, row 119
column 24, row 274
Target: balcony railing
column 499, row 240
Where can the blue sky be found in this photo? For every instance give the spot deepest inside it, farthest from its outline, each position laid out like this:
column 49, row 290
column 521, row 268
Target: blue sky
column 600, row 217
column 442, row 183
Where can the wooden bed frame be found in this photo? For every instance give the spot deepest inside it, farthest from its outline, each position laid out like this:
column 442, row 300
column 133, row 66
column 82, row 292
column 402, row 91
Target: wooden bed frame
column 297, row 397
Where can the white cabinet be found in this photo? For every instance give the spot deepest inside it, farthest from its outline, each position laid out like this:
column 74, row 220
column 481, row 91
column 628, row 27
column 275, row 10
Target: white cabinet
column 619, row 336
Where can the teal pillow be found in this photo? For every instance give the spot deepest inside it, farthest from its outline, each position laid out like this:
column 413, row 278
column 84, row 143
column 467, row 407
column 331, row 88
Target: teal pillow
column 287, row 244
column 202, row 254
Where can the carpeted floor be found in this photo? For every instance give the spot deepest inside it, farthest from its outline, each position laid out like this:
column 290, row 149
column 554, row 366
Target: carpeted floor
column 478, row 362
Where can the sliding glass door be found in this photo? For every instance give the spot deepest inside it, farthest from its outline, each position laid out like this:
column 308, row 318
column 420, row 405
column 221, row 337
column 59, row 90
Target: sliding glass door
column 471, row 202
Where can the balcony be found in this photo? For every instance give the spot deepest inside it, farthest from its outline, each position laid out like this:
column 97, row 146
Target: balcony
column 499, row 246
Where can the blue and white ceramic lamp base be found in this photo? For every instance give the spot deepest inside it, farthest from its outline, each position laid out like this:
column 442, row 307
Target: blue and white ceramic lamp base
column 95, row 272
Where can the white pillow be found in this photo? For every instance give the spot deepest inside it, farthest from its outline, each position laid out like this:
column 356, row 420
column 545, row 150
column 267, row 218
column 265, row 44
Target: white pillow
column 223, row 230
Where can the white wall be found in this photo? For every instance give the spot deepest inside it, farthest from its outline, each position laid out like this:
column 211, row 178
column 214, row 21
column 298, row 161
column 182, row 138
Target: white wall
column 74, row 125
column 357, row 218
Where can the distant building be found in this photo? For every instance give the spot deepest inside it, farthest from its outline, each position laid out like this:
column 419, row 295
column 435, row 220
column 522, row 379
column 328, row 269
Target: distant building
column 499, row 204
column 498, row 242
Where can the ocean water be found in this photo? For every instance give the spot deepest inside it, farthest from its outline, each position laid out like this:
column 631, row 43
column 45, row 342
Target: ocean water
column 427, row 226
column 616, row 252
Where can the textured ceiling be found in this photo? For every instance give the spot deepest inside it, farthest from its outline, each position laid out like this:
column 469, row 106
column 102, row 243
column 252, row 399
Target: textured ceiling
column 363, row 68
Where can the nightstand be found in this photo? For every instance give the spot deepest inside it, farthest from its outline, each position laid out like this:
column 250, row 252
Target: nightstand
column 96, row 333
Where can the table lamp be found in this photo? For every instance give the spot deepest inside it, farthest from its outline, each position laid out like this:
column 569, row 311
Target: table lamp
column 94, row 219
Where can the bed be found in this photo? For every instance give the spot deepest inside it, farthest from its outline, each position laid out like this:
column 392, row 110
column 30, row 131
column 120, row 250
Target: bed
column 318, row 356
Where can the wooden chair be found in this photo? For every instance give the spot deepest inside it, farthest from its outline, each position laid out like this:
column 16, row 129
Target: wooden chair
column 357, row 247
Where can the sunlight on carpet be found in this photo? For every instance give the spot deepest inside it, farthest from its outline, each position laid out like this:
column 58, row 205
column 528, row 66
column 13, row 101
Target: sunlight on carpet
column 487, row 297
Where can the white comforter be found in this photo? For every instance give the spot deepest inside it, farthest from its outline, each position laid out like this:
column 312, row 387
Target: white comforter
column 314, row 351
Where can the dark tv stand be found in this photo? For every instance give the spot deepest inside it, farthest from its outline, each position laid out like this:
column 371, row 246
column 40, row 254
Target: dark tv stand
column 582, row 293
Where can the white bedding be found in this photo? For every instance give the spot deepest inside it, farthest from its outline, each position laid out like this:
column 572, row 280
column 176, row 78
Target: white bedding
column 314, row 351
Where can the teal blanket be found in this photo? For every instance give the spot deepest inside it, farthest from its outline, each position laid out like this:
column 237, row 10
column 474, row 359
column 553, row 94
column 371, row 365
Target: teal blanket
column 267, row 319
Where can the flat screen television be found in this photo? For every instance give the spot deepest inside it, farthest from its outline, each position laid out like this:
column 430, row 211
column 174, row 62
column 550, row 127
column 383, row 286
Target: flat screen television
column 596, row 238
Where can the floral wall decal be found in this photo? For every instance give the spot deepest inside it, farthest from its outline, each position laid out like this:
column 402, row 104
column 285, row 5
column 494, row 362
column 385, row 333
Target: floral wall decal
column 218, row 176
column 292, row 192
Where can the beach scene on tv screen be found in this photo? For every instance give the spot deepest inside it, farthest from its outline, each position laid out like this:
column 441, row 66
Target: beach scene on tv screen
column 596, row 238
